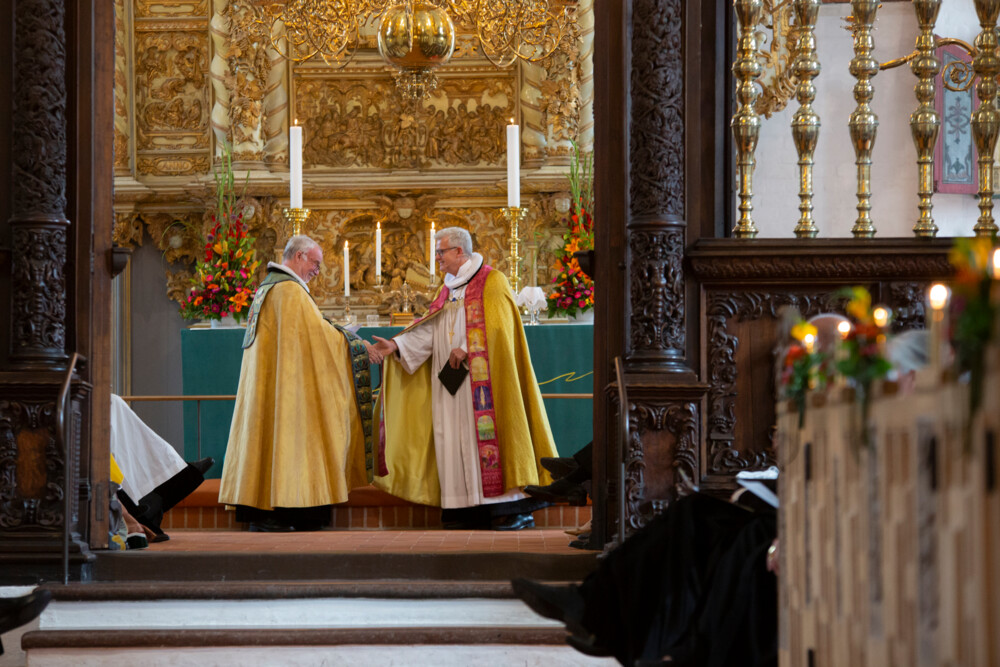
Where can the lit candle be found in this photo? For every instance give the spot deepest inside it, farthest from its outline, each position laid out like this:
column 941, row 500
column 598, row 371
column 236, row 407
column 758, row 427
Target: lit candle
column 347, row 271
column 513, row 165
column 430, row 252
column 995, row 273
column 844, row 328
column 937, row 298
column 810, row 342
column 880, row 316
column 378, row 249
column 295, row 165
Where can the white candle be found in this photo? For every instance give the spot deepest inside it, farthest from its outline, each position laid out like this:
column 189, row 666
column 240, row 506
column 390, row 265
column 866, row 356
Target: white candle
column 937, row 298
column 295, row 165
column 347, row 271
column 430, row 252
column 513, row 165
column 378, row 249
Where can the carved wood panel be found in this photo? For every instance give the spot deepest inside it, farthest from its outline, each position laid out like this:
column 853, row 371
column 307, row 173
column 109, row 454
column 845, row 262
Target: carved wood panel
column 656, row 293
column 32, row 468
column 657, row 119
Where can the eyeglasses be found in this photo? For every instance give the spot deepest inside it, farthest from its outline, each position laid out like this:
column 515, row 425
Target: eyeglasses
column 441, row 251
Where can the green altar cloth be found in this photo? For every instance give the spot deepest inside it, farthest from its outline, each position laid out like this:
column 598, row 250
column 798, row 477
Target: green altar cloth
column 562, row 354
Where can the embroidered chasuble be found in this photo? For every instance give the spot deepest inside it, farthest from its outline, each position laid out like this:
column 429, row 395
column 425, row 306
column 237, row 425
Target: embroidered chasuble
column 298, row 433
column 481, row 445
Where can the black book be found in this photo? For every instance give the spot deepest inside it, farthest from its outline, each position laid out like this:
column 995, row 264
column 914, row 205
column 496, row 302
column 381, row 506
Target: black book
column 452, row 378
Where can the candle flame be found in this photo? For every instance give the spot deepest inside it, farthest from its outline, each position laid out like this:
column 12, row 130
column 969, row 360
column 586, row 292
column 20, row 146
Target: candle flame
column 881, row 316
column 938, row 296
column 512, row 121
column 378, row 225
column 810, row 341
column 996, row 264
column 844, row 328
column 345, row 245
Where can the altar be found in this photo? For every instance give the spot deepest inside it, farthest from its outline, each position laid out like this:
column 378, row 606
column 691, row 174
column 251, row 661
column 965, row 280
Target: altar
column 562, row 355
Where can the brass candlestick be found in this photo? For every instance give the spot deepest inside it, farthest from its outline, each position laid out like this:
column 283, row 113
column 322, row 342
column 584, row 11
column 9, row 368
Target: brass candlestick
column 296, row 216
column 745, row 124
column 986, row 119
column 925, row 121
column 805, row 122
column 514, row 216
column 864, row 121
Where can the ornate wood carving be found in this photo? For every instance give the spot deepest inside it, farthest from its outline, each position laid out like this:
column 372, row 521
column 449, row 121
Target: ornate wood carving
column 907, row 301
column 32, row 467
column 673, row 429
column 656, row 295
column 798, row 265
column 121, row 140
column 657, row 124
column 38, row 140
column 723, row 457
column 38, row 294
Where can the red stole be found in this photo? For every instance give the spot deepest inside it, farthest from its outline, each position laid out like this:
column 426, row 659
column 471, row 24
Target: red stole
column 481, row 384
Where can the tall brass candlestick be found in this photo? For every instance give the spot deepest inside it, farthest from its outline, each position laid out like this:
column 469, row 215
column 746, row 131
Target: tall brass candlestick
column 986, row 119
column 514, row 216
column 925, row 121
column 805, row 122
column 746, row 123
column 864, row 121
column 298, row 218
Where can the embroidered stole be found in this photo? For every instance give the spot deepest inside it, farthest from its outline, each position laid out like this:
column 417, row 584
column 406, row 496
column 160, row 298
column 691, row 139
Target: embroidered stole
column 482, row 387
column 357, row 354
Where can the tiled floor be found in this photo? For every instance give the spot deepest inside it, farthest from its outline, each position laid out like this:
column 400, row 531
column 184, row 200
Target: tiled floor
column 380, row 541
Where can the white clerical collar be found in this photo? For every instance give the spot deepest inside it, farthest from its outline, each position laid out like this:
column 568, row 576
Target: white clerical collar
column 282, row 267
column 465, row 272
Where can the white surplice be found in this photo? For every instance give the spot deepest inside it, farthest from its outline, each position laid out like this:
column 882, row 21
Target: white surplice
column 145, row 459
column 455, row 439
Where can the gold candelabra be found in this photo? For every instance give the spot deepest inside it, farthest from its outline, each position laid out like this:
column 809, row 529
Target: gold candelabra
column 746, row 123
column 297, row 217
column 925, row 122
column 805, row 122
column 864, row 121
column 514, row 216
column 986, row 119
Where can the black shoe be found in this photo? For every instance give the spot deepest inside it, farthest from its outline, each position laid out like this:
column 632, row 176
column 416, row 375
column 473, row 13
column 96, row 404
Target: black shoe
column 559, row 467
column 514, row 522
column 583, row 542
column 560, row 603
column 15, row 612
column 559, row 491
column 203, row 465
column 270, row 526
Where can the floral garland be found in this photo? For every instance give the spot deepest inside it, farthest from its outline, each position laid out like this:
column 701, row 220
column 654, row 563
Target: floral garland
column 224, row 279
column 861, row 355
column 574, row 289
column 804, row 367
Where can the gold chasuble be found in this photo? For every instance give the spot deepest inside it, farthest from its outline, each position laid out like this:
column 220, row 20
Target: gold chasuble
column 297, row 438
column 509, row 413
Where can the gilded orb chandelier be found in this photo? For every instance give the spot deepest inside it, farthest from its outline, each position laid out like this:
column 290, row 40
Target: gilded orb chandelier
column 414, row 36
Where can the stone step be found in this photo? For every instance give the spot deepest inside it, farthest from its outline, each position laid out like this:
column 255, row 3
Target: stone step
column 151, row 565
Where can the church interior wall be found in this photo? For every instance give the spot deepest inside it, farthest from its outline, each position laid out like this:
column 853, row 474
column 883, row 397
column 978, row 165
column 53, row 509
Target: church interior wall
column 894, row 168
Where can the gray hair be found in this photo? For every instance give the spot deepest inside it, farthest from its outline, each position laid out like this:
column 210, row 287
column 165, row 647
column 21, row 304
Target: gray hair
column 297, row 244
column 457, row 238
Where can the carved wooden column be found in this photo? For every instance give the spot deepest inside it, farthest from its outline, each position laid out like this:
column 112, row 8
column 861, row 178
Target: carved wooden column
column 36, row 471
column 665, row 397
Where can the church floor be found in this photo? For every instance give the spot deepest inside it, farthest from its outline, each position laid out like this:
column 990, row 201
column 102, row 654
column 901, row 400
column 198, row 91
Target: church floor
column 538, row 541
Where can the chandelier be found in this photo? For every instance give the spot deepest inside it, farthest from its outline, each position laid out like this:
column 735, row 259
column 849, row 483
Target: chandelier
column 415, row 36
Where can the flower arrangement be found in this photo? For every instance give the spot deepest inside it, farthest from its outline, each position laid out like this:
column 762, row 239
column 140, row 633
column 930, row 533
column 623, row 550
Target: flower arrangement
column 804, row 367
column 224, row 278
column 973, row 309
column 861, row 355
column 574, row 289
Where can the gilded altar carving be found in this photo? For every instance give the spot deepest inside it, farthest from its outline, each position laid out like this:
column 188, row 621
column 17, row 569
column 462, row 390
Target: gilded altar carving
column 172, row 165
column 163, row 9
column 171, row 91
column 127, row 232
column 361, row 123
column 776, row 37
column 121, row 132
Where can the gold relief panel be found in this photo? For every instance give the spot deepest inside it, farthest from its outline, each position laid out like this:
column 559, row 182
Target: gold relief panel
column 128, row 230
column 171, row 90
column 161, row 9
column 362, row 123
column 173, row 165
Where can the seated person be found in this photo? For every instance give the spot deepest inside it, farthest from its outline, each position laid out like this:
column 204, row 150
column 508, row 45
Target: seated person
column 154, row 476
